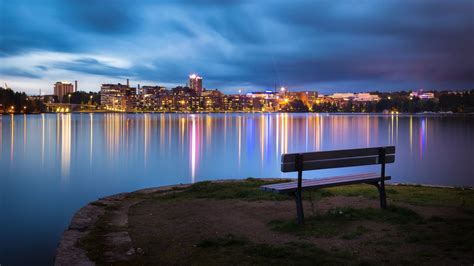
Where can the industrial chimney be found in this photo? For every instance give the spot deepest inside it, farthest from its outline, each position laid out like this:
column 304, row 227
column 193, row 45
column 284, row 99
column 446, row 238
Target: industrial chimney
column 75, row 85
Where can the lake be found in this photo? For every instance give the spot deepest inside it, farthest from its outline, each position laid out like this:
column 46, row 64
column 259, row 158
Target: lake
column 52, row 164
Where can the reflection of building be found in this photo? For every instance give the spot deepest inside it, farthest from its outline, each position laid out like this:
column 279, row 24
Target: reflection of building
column 62, row 88
column 195, row 83
column 118, row 97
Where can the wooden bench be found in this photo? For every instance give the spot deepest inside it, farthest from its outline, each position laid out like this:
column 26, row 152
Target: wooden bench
column 299, row 162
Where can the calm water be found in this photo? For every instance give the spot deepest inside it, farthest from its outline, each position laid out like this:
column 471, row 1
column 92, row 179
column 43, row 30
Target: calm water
column 52, row 164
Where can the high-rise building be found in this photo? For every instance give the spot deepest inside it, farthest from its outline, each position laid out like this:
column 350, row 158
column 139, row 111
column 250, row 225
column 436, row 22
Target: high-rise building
column 62, row 88
column 195, row 83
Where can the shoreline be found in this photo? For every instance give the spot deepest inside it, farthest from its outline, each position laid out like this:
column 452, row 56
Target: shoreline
column 84, row 220
column 249, row 112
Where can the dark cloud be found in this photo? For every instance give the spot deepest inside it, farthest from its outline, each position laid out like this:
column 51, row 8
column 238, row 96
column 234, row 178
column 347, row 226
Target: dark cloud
column 16, row 72
column 391, row 44
column 94, row 67
column 104, row 16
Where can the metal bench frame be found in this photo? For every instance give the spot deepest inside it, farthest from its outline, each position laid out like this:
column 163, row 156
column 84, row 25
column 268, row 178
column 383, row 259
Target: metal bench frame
column 299, row 162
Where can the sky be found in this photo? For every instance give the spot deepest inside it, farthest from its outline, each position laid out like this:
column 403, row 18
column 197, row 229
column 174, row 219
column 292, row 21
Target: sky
column 329, row 46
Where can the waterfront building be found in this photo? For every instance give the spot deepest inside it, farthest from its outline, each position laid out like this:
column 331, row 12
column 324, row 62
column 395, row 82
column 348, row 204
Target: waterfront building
column 366, row 97
column 118, row 97
column 349, row 96
column 423, row 95
column 149, row 96
column 195, row 83
column 212, row 100
column 357, row 97
column 62, row 88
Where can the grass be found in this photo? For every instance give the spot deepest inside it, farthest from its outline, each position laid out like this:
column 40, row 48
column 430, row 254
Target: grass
column 455, row 233
column 248, row 189
column 94, row 241
column 239, row 250
column 335, row 220
column 418, row 195
column 359, row 231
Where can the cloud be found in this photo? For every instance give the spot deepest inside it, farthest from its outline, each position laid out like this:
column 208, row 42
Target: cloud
column 303, row 44
column 94, row 67
column 15, row 72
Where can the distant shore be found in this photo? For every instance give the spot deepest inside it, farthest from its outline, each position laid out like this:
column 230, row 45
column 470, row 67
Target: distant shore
column 248, row 112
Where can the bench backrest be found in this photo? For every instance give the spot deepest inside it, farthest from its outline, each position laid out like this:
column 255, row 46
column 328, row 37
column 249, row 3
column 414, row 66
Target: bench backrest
column 293, row 162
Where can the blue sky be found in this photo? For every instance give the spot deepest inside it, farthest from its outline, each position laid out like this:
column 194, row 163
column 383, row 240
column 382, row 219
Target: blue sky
column 319, row 45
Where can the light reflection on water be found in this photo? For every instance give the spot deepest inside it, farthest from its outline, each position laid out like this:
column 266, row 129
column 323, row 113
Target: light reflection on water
column 51, row 164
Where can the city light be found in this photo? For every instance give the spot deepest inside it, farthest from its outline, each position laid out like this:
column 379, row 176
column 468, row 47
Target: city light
column 194, row 97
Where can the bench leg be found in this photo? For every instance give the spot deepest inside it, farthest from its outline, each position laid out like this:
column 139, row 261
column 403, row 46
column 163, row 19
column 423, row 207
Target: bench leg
column 382, row 196
column 299, row 208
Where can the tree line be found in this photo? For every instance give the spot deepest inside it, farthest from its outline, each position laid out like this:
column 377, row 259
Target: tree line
column 18, row 102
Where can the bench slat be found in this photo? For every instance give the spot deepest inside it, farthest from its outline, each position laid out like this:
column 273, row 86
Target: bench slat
column 322, row 181
column 324, row 155
column 326, row 164
column 325, row 182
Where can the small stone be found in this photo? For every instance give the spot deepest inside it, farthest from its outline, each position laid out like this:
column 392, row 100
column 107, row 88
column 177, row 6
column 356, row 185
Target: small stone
column 140, row 251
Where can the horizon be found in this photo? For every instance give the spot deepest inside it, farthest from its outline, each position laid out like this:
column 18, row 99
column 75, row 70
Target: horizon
column 325, row 46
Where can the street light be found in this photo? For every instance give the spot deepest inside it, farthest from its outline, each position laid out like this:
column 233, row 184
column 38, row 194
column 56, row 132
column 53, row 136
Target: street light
column 69, row 98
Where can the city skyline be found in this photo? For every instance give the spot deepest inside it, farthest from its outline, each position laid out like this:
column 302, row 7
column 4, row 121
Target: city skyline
column 320, row 46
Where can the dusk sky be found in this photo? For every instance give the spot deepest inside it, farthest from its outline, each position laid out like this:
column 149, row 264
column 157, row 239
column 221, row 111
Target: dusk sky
column 318, row 45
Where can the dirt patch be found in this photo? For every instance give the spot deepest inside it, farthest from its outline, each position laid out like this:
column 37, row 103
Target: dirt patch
column 220, row 223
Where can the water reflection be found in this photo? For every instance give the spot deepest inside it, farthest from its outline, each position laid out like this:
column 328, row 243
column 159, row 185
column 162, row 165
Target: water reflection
column 238, row 141
column 126, row 152
column 65, row 144
column 12, row 134
column 91, row 137
column 42, row 139
column 1, row 136
column 194, row 148
column 423, row 129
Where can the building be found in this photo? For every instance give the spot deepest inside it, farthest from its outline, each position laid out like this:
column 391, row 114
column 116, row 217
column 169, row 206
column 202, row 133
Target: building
column 356, row 97
column 149, row 96
column 195, row 83
column 423, row 95
column 349, row 96
column 62, row 88
column 366, row 97
column 118, row 97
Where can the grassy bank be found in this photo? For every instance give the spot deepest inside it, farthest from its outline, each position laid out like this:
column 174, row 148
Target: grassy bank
column 215, row 223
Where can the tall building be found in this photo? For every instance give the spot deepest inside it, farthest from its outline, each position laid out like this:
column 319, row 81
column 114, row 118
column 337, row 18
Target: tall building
column 62, row 88
column 195, row 83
